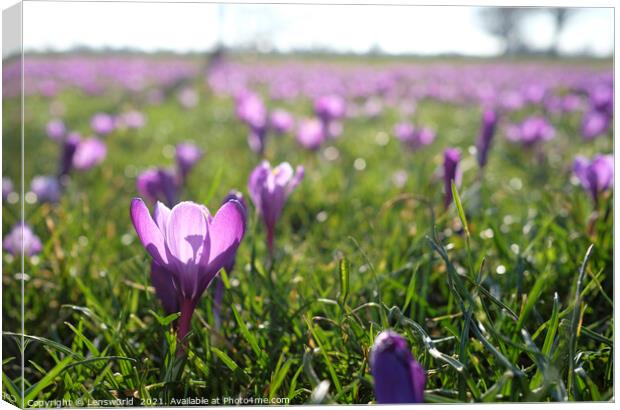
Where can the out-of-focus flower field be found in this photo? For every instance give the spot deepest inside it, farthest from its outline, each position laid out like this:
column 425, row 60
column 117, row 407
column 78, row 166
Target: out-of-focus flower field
column 451, row 201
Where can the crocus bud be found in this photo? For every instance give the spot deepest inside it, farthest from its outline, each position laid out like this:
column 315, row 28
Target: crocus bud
column 269, row 188
column 398, row 377
column 158, row 184
column 68, row 151
column 22, row 235
column 489, row 122
column 596, row 175
column 451, row 158
column 187, row 154
column 102, row 123
column 46, row 188
column 311, row 134
column 89, row 153
column 56, row 129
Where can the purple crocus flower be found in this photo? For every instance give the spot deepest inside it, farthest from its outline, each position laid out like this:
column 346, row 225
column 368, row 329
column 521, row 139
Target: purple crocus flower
column 56, row 129
column 596, row 175
column 158, row 184
column 132, row 119
column 68, row 152
column 187, row 154
column 269, row 188
column 189, row 246
column 281, row 121
column 531, row 131
column 329, row 107
column 489, row 122
column 398, row 377
column 256, row 139
column 188, row 98
column 414, row 138
column 22, row 235
column 311, row 133
column 89, row 153
column 251, row 110
column 46, row 188
column 102, row 123
column 451, row 158
column 594, row 123
column 7, row 187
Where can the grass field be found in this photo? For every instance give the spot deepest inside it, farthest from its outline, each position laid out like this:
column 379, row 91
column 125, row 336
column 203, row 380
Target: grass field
column 510, row 308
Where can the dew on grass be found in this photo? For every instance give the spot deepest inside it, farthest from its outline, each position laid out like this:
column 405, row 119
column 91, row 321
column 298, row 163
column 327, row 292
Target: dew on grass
column 501, row 269
column 382, row 138
column 359, row 164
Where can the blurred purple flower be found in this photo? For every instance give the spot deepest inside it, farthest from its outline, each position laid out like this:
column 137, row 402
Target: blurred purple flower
column 269, row 188
column 451, row 158
column 414, row 138
column 187, row 154
column 7, row 187
column 281, row 121
column 329, row 107
column 188, row 98
column 398, row 377
column 489, row 122
column 531, row 131
column 56, row 129
column 132, row 119
column 188, row 247
column 89, row 153
column 46, row 188
column 158, row 184
column 310, row 133
column 251, row 110
column 68, row 152
column 102, row 123
column 596, row 175
column 22, row 235
column 594, row 124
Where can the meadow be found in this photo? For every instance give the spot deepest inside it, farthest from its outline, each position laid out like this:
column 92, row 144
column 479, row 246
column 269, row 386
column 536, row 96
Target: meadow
column 504, row 295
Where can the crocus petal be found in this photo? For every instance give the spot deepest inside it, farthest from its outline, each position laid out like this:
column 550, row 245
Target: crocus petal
column 161, row 215
column 256, row 181
column 163, row 282
column 226, row 232
column 299, row 176
column 148, row 232
column 187, row 243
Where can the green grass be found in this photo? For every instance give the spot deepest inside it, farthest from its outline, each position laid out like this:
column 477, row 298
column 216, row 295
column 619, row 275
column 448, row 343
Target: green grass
column 385, row 257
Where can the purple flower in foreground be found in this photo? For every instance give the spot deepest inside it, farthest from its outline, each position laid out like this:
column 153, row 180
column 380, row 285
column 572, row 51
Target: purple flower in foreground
column 158, row 184
column 7, row 187
column 596, row 175
column 102, row 123
column 22, row 235
column 413, row 138
column 281, row 121
column 451, row 158
column 187, row 154
column 56, row 129
column 311, row 133
column 46, row 188
column 269, row 188
column 89, row 153
column 594, row 123
column 489, row 122
column 189, row 246
column 398, row 377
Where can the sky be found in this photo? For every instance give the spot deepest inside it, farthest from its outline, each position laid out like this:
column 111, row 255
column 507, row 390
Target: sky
column 394, row 29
